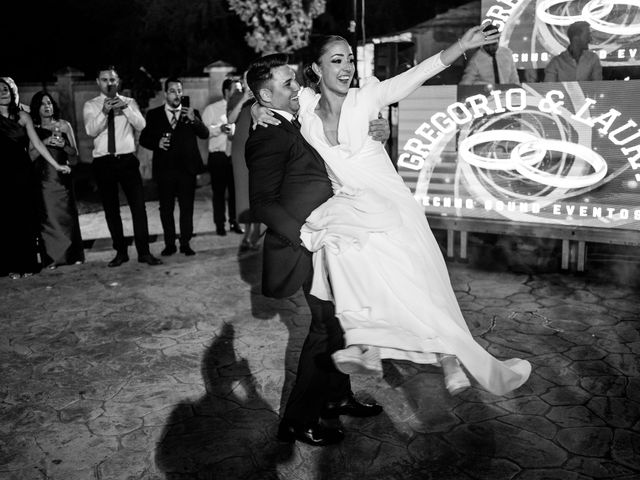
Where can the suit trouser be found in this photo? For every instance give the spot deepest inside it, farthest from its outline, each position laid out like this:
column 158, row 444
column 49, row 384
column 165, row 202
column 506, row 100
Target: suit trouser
column 221, row 173
column 174, row 184
column 317, row 380
column 111, row 170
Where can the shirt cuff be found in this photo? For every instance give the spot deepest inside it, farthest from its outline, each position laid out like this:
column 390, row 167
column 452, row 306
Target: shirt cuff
column 438, row 61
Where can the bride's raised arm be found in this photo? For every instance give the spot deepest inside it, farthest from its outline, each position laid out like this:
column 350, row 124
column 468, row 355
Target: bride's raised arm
column 396, row 88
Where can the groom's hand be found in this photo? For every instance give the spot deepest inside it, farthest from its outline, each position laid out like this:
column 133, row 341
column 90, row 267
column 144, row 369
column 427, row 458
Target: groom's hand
column 379, row 129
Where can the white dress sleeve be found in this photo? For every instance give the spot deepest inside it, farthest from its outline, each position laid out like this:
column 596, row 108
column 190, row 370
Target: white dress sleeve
column 396, row 88
column 306, row 97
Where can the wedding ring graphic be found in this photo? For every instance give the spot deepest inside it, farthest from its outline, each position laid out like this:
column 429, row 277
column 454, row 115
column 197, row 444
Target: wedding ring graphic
column 594, row 12
column 465, row 149
column 527, row 155
column 531, row 148
column 597, row 23
column 542, row 12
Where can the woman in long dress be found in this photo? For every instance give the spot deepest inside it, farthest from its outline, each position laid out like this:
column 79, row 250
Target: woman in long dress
column 239, row 113
column 374, row 254
column 18, row 191
column 60, row 227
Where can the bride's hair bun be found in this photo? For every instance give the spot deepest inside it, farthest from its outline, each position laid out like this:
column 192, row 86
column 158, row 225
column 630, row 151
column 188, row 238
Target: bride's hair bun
column 310, row 77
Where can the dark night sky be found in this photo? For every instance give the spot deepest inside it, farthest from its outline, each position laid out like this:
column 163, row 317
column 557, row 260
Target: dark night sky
column 166, row 36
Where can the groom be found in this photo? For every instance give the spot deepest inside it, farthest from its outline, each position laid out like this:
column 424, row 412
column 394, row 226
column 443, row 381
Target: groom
column 287, row 181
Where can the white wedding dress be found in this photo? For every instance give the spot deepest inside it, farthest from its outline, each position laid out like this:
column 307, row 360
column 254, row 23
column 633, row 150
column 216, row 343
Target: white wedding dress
column 374, row 254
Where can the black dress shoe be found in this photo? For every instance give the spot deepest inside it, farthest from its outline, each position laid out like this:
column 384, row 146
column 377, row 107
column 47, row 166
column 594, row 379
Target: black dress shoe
column 221, row 231
column 149, row 259
column 351, row 407
column 187, row 250
column 234, row 227
column 315, row 435
column 168, row 250
column 118, row 260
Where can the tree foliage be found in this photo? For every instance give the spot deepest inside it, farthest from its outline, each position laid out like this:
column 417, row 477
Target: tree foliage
column 277, row 25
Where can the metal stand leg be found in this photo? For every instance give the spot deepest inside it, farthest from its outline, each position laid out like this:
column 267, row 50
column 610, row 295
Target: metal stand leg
column 450, row 239
column 463, row 245
column 565, row 255
column 582, row 255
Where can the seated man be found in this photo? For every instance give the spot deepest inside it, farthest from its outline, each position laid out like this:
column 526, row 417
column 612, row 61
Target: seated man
column 576, row 63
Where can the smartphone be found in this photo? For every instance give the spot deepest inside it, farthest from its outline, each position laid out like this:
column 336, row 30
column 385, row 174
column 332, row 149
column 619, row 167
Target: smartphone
column 186, row 101
column 112, row 90
column 490, row 28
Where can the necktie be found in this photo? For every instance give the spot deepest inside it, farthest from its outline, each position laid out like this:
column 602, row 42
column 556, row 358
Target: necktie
column 496, row 72
column 295, row 122
column 111, row 132
column 174, row 119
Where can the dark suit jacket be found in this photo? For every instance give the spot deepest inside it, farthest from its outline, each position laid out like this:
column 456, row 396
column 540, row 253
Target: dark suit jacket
column 183, row 154
column 287, row 181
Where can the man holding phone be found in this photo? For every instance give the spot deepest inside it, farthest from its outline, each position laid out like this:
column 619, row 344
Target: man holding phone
column 172, row 134
column 219, row 161
column 111, row 118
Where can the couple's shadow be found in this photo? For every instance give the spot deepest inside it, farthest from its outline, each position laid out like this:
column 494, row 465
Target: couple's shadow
column 229, row 432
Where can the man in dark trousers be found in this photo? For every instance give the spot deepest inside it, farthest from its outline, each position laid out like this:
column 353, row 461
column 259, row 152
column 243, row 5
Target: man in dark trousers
column 171, row 133
column 287, row 181
column 111, row 119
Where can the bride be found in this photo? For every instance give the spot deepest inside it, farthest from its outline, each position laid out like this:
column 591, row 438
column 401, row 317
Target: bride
column 374, row 254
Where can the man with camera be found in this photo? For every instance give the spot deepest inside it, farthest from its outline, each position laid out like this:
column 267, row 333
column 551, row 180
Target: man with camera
column 172, row 134
column 111, row 118
column 219, row 161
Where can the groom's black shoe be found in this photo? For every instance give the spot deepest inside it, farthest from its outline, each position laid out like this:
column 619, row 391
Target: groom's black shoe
column 316, row 434
column 351, row 407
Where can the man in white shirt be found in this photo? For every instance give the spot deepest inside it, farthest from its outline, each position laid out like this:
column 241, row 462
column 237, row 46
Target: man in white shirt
column 491, row 65
column 219, row 164
column 111, row 119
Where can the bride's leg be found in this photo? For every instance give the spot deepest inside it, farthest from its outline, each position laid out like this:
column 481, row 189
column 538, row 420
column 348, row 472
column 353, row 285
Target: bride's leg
column 454, row 377
column 358, row 360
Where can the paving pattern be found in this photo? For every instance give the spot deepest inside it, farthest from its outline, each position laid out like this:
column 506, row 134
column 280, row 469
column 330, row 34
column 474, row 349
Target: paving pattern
column 178, row 372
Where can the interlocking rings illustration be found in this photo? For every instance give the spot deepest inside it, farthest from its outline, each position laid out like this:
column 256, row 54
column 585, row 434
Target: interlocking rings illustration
column 594, row 12
column 465, row 149
column 527, row 155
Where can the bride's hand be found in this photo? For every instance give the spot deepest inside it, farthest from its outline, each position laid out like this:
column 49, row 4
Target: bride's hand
column 475, row 37
column 262, row 116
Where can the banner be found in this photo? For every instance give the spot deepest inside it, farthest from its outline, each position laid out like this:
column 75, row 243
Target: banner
column 555, row 153
column 535, row 31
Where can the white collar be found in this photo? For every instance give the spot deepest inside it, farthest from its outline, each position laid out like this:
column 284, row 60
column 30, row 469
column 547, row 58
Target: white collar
column 288, row 115
column 171, row 109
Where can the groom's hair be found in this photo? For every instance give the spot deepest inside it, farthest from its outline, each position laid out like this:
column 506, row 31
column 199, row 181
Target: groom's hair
column 261, row 70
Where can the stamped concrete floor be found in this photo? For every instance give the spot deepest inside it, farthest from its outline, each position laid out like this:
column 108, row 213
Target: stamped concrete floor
column 178, row 372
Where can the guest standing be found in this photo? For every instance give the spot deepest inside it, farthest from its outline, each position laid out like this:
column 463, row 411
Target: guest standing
column 172, row 134
column 18, row 193
column 491, row 64
column 60, row 228
column 111, row 119
column 240, row 114
column 219, row 161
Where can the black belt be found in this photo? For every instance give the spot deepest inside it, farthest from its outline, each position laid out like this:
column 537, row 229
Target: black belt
column 121, row 155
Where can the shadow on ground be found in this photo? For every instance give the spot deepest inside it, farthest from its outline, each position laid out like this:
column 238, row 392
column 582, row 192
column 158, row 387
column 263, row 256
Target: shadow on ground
column 228, row 433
